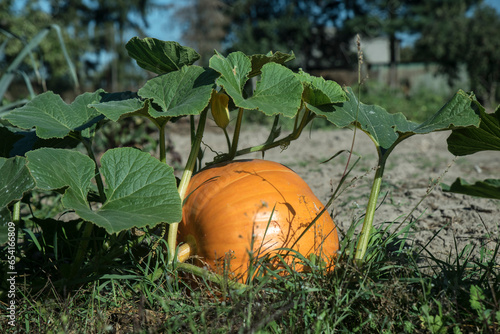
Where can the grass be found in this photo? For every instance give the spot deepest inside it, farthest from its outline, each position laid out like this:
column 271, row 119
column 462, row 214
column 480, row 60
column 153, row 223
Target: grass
column 400, row 290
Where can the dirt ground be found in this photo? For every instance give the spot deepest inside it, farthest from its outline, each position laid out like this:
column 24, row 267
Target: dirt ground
column 411, row 169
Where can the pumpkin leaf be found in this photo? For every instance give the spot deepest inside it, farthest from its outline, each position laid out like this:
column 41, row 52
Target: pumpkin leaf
column 318, row 91
column 233, row 71
column 386, row 129
column 160, row 57
column 180, row 93
column 259, row 60
column 489, row 188
column 277, row 92
column 471, row 140
column 120, row 109
column 53, row 118
column 55, row 169
column 15, row 180
column 141, row 191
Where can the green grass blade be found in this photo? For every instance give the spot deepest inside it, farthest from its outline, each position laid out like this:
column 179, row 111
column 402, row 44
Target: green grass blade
column 71, row 66
column 9, row 73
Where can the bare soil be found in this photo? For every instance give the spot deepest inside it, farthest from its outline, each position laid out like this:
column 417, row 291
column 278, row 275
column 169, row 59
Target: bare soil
column 440, row 220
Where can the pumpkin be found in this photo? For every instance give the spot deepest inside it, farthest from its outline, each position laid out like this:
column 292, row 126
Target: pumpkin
column 256, row 207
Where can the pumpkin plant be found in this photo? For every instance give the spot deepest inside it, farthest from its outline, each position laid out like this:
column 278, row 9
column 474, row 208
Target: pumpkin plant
column 388, row 130
column 127, row 189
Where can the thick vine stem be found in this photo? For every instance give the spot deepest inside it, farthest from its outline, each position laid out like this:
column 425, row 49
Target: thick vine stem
column 306, row 118
column 227, row 139
column 186, row 177
column 366, row 230
column 16, row 213
column 161, row 139
column 236, row 135
column 98, row 178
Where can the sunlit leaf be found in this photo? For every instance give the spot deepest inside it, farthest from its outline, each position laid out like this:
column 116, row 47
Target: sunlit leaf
column 63, row 169
column 386, row 129
column 53, row 118
column 140, row 190
column 318, row 91
column 119, row 109
column 180, row 93
column 277, row 92
column 234, row 70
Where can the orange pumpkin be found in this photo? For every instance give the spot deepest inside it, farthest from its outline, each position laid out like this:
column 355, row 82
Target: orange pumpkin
column 228, row 213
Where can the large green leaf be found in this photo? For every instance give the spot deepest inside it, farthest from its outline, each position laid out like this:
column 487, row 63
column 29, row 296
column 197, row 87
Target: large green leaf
column 15, row 180
column 180, row 93
column 318, row 91
column 53, row 118
column 471, row 140
column 234, row 72
column 141, row 191
column 277, row 92
column 455, row 114
column 160, row 56
column 387, row 129
column 119, row 109
column 63, row 169
column 489, row 188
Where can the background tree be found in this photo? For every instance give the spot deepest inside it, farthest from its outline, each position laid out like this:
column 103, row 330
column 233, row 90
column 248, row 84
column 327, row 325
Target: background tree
column 463, row 33
column 309, row 28
column 204, row 23
column 94, row 34
column 386, row 18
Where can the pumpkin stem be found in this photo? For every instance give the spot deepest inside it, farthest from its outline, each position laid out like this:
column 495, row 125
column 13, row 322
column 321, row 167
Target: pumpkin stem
column 306, row 118
column 366, row 230
column 236, row 135
column 186, row 177
column 98, row 178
